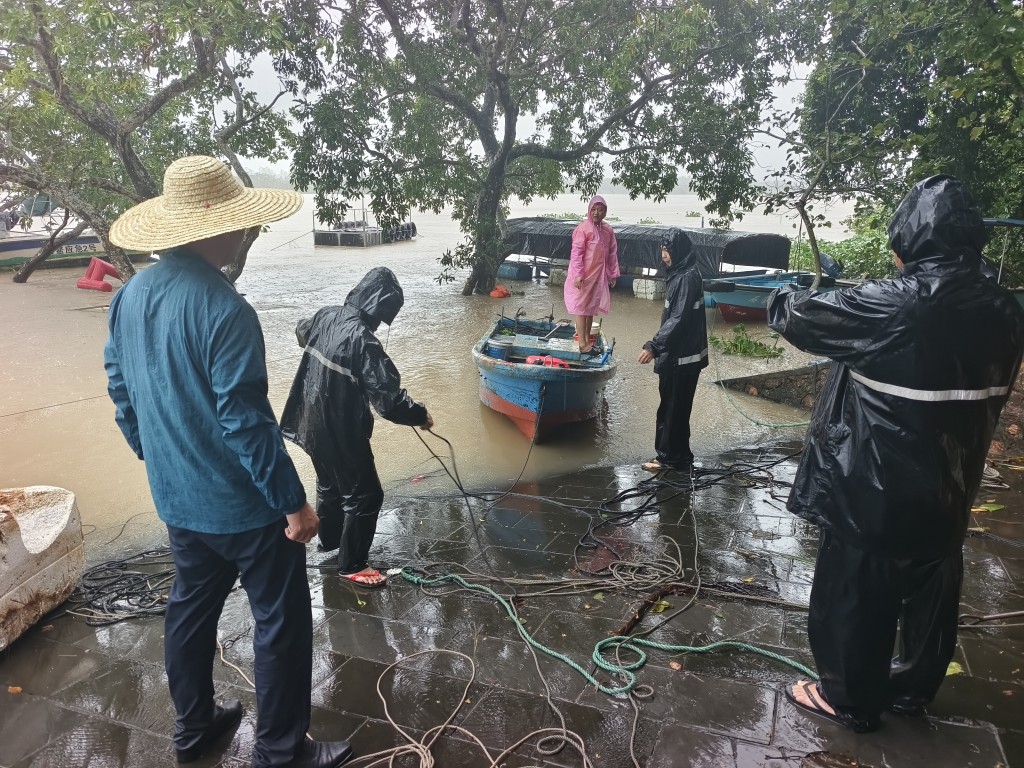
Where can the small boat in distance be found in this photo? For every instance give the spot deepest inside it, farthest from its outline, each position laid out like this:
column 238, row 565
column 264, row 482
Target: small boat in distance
column 745, row 298
column 533, row 372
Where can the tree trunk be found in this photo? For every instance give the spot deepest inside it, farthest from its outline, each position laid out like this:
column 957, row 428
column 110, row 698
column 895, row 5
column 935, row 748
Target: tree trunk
column 812, row 241
column 30, row 266
column 488, row 235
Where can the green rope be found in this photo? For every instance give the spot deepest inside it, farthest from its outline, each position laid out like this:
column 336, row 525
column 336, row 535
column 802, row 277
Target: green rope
column 632, row 644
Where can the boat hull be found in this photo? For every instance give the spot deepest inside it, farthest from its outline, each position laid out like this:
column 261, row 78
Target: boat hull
column 539, row 399
column 16, row 249
column 537, row 407
column 745, row 299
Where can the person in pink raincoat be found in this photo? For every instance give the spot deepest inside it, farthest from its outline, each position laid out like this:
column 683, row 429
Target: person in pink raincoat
column 593, row 270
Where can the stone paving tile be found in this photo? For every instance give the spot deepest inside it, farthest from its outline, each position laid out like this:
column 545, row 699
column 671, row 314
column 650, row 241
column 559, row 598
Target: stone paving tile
column 448, row 751
column 103, row 743
column 758, row 756
column 900, row 742
column 128, row 692
column 44, row 668
column 678, row 745
column 370, row 637
column 509, row 664
column 462, row 613
column 1013, row 747
column 994, row 659
column 29, row 723
column 993, row 701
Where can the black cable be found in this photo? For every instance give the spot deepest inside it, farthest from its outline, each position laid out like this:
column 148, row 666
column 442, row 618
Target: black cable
column 119, row 589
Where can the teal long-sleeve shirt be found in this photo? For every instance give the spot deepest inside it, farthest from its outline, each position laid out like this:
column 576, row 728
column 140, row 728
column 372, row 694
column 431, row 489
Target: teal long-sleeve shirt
column 186, row 369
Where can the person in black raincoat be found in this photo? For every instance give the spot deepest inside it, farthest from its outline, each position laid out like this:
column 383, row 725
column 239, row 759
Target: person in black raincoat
column 343, row 370
column 680, row 351
column 895, row 452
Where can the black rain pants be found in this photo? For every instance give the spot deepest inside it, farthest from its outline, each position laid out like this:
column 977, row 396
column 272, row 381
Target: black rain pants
column 858, row 599
column 348, row 502
column 672, row 424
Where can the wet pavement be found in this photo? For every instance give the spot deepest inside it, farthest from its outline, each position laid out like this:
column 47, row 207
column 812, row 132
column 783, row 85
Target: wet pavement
column 75, row 695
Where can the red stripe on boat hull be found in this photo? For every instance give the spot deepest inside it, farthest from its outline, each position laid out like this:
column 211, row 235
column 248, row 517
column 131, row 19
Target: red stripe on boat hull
column 526, row 420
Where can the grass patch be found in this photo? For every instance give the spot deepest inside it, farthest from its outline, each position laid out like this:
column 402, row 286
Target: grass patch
column 742, row 343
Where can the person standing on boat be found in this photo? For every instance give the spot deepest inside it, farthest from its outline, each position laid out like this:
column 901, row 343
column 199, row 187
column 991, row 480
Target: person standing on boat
column 343, row 370
column 922, row 366
column 593, row 270
column 680, row 352
column 187, row 372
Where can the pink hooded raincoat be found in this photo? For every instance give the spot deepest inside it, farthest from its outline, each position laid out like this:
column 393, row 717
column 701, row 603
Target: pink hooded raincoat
column 595, row 258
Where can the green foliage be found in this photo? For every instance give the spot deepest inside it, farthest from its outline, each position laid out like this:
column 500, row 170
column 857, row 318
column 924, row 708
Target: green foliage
column 648, row 220
column 865, row 255
column 742, row 343
column 101, row 95
column 423, row 104
column 693, row 214
column 901, row 91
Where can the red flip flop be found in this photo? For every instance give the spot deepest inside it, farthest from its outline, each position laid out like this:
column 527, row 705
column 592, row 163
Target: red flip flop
column 363, row 580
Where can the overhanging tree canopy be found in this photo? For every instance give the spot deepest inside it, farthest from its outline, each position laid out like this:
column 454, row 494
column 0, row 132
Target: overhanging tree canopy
column 463, row 104
column 100, row 96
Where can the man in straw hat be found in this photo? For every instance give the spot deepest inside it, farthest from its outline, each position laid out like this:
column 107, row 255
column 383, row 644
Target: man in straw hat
column 187, row 373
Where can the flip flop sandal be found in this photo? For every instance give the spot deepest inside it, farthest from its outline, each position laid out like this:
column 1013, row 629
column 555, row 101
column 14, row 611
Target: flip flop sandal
column 653, row 466
column 813, row 693
column 362, row 579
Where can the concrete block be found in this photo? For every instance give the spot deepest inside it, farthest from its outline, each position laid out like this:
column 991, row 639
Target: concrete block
column 42, row 555
column 558, row 276
column 648, row 288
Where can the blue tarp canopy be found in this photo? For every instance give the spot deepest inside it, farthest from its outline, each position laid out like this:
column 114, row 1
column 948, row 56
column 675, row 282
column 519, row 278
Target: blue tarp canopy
column 640, row 245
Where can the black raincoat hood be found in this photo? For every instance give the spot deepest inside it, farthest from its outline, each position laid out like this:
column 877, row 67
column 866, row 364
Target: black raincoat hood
column 938, row 217
column 680, row 249
column 377, row 295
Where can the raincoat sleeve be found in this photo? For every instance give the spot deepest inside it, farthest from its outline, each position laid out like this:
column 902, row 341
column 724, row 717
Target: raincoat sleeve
column 302, row 330
column 384, row 386
column 124, row 411
column 238, row 377
column 671, row 323
column 840, row 325
column 578, row 251
column 611, row 265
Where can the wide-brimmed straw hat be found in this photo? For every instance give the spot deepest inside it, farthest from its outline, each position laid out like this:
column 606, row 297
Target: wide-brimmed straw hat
column 201, row 199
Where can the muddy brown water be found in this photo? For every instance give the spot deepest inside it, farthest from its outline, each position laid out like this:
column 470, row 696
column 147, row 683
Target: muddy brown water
column 57, row 427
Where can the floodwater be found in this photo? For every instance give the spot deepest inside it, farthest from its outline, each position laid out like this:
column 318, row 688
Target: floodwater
column 57, row 428
column 430, row 342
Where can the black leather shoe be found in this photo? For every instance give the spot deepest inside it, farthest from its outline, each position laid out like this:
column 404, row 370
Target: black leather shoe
column 225, row 718
column 322, row 754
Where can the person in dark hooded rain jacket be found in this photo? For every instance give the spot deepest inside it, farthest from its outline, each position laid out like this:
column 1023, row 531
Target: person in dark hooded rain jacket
column 343, row 370
column 895, row 452
column 679, row 351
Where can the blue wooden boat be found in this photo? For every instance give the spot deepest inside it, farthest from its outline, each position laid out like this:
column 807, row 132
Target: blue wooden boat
column 745, row 298
column 533, row 372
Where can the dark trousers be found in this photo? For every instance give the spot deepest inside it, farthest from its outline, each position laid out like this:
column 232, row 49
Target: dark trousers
column 857, row 601
column 273, row 571
column 348, row 504
column 672, row 424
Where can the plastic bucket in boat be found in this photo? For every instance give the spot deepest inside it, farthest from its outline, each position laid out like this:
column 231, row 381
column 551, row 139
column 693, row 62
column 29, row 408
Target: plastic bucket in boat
column 499, row 348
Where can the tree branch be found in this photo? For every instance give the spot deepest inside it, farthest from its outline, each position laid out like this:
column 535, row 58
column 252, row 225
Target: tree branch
column 547, row 153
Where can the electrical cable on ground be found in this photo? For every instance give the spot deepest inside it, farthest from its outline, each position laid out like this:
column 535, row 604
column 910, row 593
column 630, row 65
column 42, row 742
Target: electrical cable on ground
column 117, row 590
